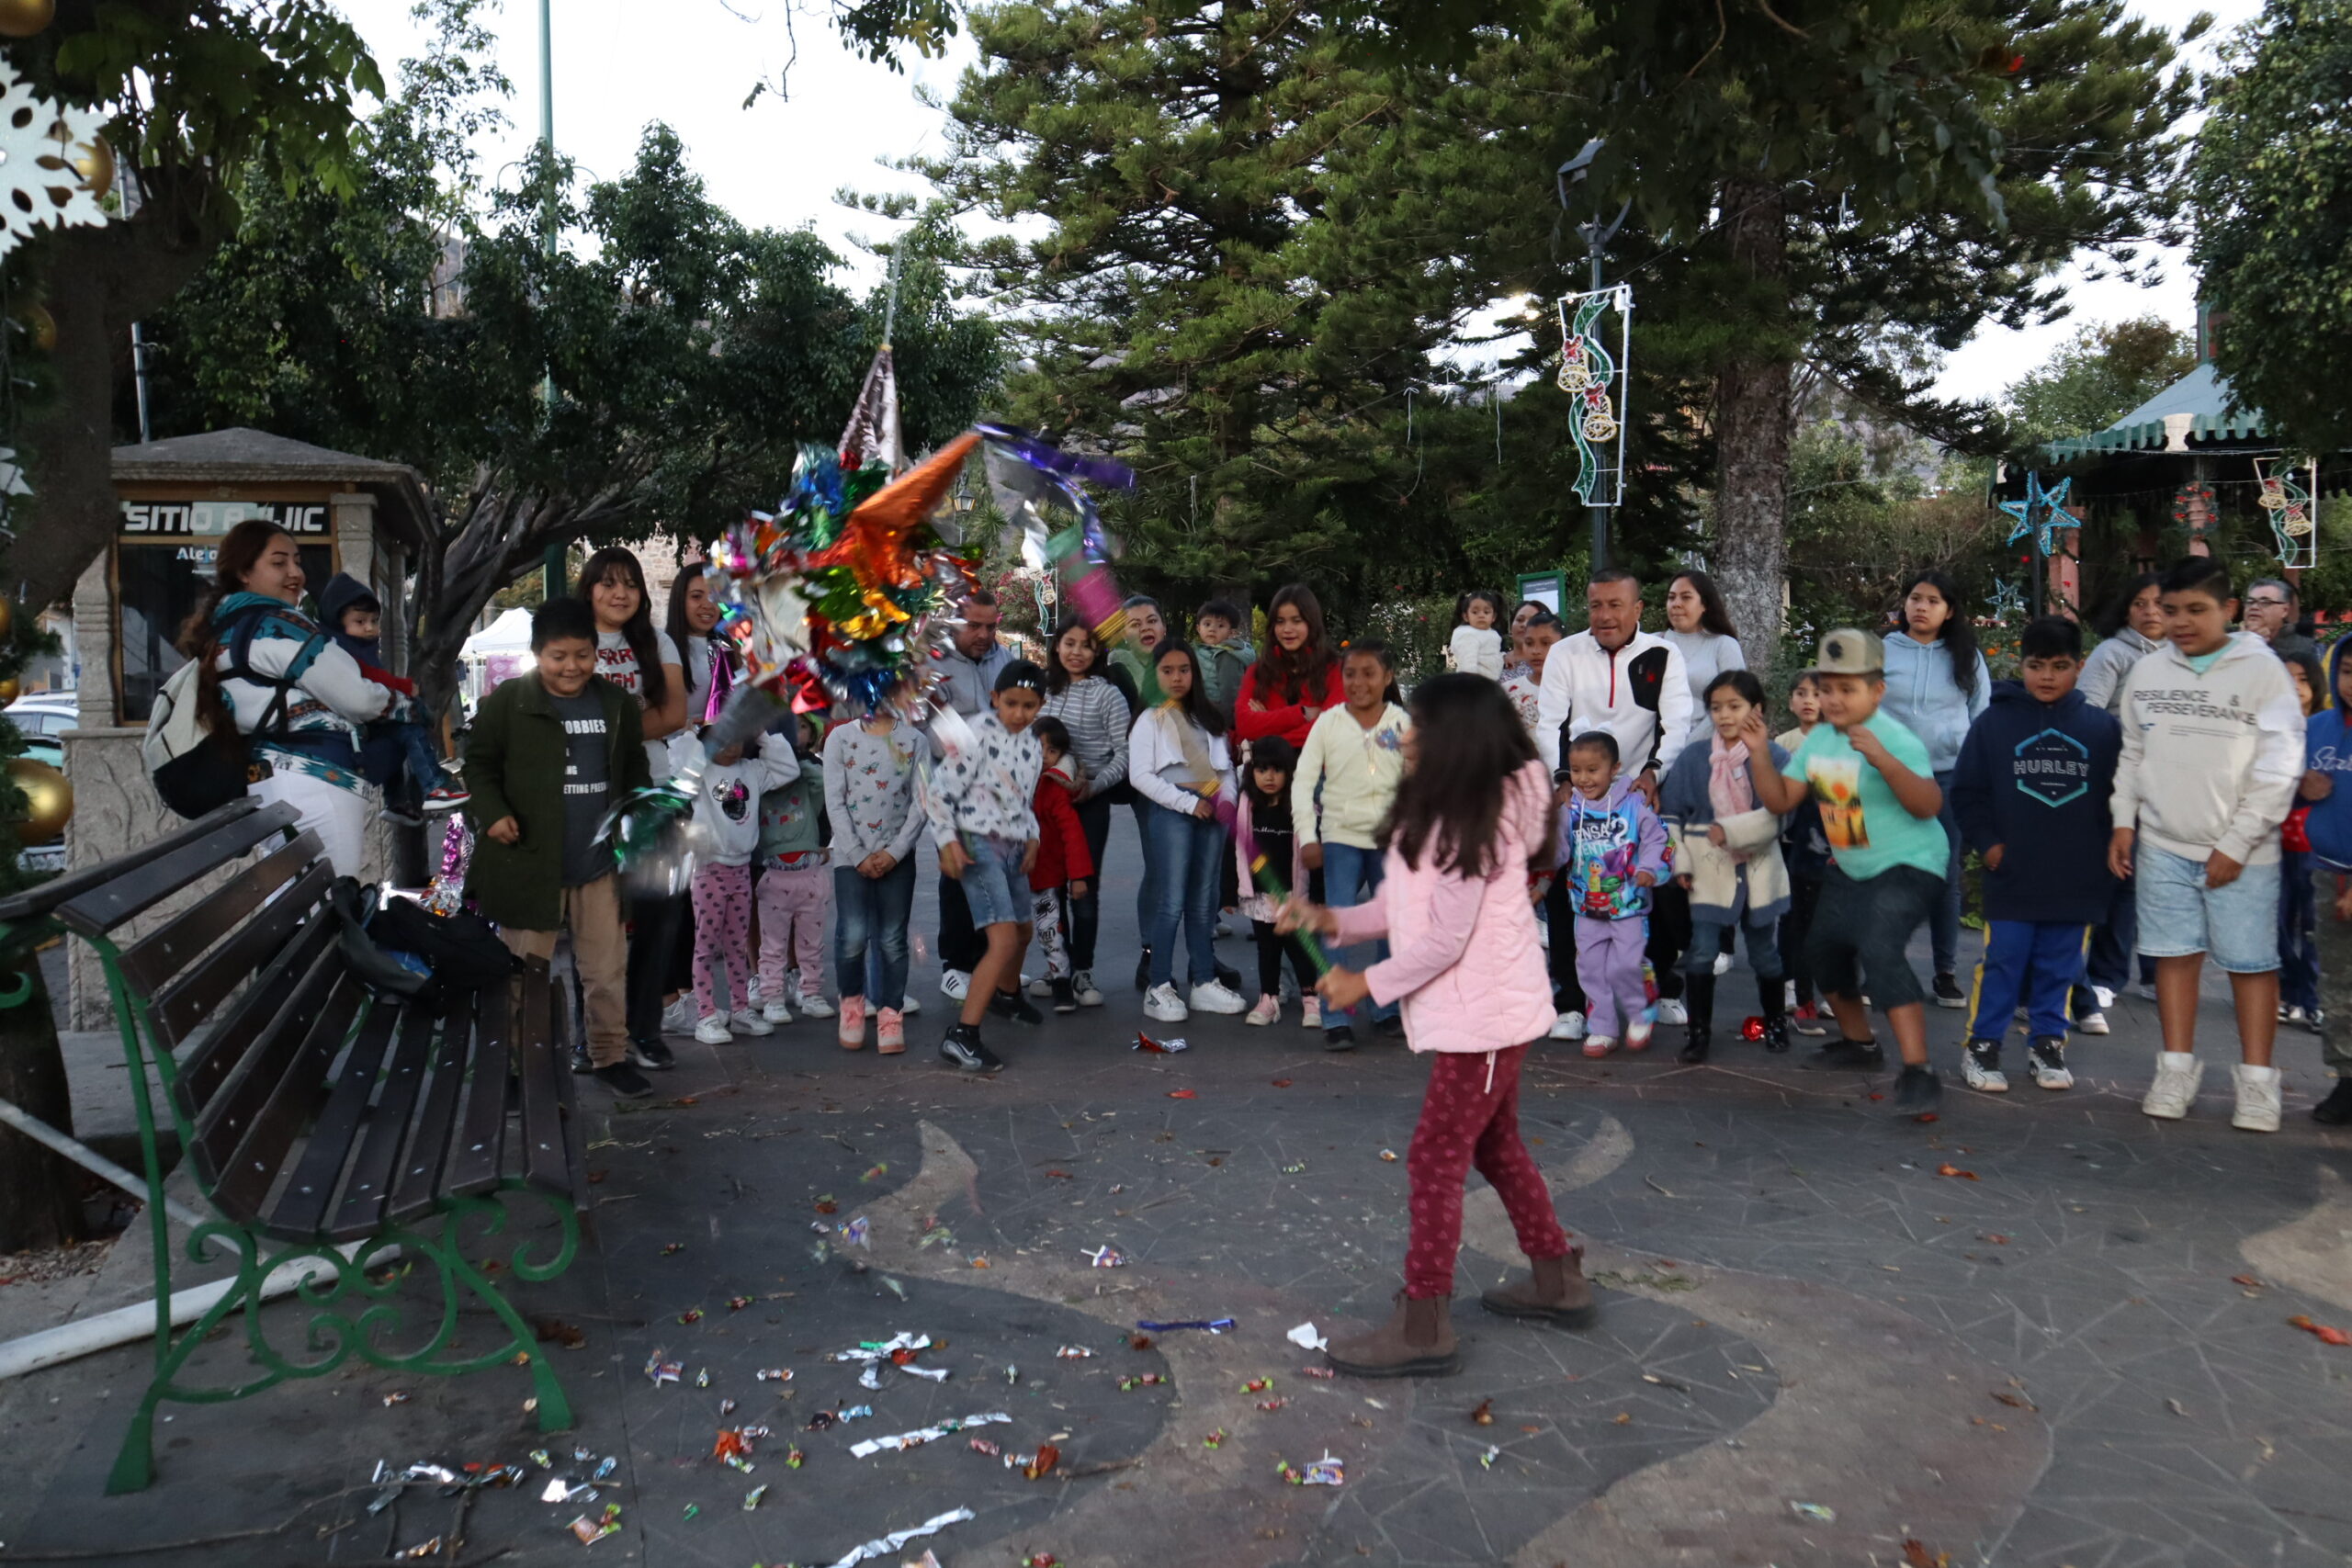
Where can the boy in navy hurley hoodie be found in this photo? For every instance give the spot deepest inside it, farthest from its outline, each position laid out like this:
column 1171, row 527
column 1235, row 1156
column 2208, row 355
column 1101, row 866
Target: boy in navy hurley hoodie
column 2030, row 793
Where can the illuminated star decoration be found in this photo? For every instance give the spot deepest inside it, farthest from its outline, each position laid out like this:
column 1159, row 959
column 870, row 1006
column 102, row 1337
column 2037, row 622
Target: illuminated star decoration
column 2007, row 599
column 2042, row 513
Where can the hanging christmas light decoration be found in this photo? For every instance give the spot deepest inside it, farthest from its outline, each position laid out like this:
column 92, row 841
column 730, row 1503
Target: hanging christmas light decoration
column 2292, row 508
column 1594, row 376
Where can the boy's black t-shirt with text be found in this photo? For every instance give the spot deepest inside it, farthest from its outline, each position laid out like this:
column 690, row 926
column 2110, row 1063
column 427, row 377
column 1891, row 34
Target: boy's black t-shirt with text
column 587, row 784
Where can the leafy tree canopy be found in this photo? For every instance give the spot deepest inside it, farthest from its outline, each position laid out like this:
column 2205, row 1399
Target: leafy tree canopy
column 2096, row 378
column 2272, row 185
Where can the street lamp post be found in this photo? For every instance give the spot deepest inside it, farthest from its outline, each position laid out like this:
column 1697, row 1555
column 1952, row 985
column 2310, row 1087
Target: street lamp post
column 1597, row 235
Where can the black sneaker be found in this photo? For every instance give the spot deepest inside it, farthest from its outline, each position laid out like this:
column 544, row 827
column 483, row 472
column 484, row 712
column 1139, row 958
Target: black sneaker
column 1694, row 1049
column 1392, row 1026
column 654, row 1054
column 2336, row 1109
column 962, row 1049
column 1016, row 1007
column 1341, row 1038
column 1918, row 1091
column 1064, row 997
column 625, row 1081
column 1862, row 1055
column 1948, row 992
column 1776, row 1032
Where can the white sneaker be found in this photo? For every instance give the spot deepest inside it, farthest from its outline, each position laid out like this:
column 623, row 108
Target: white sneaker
column 954, row 982
column 1310, row 1011
column 909, row 1006
column 1568, row 1026
column 753, row 995
column 1722, row 963
column 1217, row 996
column 1084, row 984
column 713, row 1031
column 814, row 1005
column 1268, row 1010
column 2049, row 1059
column 775, row 1011
column 2257, row 1109
column 747, row 1020
column 1162, row 1005
column 1671, row 1011
column 2105, row 997
column 679, row 1016
column 2175, row 1090
column 1981, row 1070
column 1041, row 987
column 2091, row 1023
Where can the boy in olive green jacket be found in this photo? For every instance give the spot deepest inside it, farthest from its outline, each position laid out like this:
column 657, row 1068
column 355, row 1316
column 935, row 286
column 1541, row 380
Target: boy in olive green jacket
column 549, row 751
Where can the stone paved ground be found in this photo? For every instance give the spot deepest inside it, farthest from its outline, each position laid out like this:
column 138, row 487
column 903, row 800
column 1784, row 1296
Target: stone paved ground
column 2048, row 1364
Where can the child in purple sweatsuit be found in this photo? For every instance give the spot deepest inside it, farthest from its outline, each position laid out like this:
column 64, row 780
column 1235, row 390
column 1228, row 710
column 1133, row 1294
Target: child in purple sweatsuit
column 1612, row 852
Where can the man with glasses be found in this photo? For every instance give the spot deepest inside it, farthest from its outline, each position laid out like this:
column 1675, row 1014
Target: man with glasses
column 968, row 672
column 2271, row 611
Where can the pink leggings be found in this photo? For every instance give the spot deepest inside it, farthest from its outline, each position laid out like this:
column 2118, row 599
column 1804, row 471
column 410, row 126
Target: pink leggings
column 1470, row 1116
column 722, row 936
column 792, row 927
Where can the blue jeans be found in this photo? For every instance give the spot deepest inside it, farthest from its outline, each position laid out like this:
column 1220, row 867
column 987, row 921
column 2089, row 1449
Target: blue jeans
column 1179, row 857
column 388, row 749
column 2029, row 964
column 1148, row 889
column 873, row 910
column 1943, row 915
column 2298, row 932
column 1351, row 876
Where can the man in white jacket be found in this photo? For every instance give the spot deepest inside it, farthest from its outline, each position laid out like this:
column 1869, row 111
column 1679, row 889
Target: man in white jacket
column 1617, row 677
column 2212, row 751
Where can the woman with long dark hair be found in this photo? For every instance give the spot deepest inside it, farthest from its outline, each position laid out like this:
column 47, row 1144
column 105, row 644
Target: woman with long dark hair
column 1297, row 680
column 1472, row 817
column 1080, row 693
column 1699, row 624
column 644, row 662
column 1182, row 768
column 1936, row 685
column 273, row 677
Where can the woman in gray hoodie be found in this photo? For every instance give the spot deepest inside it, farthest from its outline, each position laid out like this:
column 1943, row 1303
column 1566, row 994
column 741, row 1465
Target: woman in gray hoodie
column 1936, row 685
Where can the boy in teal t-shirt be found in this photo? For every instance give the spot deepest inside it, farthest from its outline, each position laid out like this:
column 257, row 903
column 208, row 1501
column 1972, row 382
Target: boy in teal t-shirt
column 1869, row 778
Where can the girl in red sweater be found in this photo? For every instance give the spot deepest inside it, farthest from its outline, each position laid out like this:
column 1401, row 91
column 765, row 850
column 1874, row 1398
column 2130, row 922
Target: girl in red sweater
column 1296, row 679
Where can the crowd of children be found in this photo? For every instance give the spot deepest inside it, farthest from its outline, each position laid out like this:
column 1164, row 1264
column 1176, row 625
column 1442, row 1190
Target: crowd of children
column 2173, row 795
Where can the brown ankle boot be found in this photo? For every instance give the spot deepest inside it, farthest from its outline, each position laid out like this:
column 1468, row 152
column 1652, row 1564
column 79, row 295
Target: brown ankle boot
column 1416, row 1341
column 1556, row 1292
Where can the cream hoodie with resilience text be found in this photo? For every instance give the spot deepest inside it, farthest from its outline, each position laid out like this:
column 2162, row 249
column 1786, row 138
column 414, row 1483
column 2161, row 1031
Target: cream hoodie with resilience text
column 2209, row 761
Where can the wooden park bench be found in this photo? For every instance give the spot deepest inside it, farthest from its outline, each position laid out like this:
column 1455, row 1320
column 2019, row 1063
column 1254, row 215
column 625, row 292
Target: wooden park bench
column 323, row 1123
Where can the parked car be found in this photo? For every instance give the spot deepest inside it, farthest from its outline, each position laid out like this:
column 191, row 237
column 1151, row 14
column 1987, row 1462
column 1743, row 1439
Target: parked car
column 43, row 718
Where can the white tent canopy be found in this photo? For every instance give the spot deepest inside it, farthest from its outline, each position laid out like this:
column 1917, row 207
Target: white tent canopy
column 510, row 633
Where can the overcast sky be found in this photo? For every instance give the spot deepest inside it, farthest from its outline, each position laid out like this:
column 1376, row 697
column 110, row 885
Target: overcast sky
column 779, row 164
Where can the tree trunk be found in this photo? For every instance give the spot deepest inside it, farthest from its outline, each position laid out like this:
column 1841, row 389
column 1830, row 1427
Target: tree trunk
column 40, row 1193
column 96, row 282
column 1751, row 550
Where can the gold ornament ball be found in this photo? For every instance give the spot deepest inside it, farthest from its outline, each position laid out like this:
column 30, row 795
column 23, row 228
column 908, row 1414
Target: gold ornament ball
column 49, row 800
column 9, row 688
column 93, row 161
column 23, row 18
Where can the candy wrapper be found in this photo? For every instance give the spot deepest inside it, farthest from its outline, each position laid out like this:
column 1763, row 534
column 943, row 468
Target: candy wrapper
column 662, row 1371
column 751, row 1498
column 1105, row 1256
column 1160, row 1047
column 590, row 1531
column 1073, row 1353
column 915, row 1439
column 884, row 1349
column 1147, row 1380
column 773, row 1374
column 1324, row 1471
column 1305, row 1339
column 883, row 1546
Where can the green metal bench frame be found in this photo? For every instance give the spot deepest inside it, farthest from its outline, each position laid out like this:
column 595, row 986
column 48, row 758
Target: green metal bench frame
column 359, row 1048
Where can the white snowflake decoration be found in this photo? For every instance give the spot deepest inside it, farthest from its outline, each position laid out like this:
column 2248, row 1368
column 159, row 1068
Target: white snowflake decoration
column 40, row 142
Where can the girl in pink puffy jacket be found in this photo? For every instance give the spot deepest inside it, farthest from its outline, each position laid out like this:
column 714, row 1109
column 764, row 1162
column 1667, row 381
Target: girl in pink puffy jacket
column 1472, row 816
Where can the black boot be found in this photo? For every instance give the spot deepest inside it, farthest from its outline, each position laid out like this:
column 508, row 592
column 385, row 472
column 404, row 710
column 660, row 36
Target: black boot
column 1773, row 997
column 1698, row 997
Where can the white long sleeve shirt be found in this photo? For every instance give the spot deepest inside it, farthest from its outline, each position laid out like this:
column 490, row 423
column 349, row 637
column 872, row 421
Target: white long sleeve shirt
column 1641, row 694
column 728, row 810
column 1155, row 759
column 986, row 788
